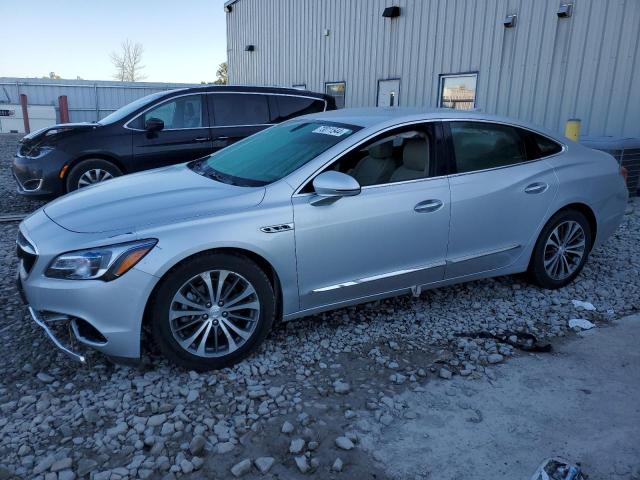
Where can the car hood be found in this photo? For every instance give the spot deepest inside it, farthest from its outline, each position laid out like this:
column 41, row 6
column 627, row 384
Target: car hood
column 50, row 132
column 153, row 197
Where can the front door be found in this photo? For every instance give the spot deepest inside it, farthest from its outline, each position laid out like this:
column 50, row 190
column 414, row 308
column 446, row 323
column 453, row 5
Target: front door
column 499, row 197
column 391, row 236
column 185, row 136
column 388, row 93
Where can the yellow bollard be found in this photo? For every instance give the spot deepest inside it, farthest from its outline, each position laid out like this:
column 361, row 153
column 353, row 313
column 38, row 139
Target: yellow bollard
column 572, row 130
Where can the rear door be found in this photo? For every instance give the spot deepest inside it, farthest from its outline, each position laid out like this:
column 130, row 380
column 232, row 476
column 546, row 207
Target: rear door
column 237, row 115
column 185, row 136
column 499, row 196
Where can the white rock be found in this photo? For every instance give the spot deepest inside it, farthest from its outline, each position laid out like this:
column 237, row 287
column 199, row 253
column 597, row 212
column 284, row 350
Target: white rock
column 344, row 443
column 581, row 323
column 287, row 427
column 585, row 305
column 337, row 465
column 241, row 468
column 302, row 463
column 264, row 464
column 297, row 445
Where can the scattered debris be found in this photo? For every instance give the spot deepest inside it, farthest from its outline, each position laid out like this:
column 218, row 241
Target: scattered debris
column 585, row 305
column 558, row 469
column 581, row 324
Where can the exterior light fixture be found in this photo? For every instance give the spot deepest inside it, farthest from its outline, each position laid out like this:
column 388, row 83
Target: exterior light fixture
column 228, row 8
column 565, row 10
column 391, row 12
column 510, row 21
column 249, row 48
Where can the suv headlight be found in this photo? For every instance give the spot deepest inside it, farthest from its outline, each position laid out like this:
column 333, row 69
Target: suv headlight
column 104, row 263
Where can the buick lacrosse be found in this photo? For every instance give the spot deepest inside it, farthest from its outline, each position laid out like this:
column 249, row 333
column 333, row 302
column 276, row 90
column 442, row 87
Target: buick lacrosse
column 319, row 212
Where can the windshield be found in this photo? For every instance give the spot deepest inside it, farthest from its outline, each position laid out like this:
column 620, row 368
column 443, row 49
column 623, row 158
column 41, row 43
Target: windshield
column 274, row 153
column 130, row 108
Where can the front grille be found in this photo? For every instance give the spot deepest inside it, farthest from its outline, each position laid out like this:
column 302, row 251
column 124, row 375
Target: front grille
column 26, row 252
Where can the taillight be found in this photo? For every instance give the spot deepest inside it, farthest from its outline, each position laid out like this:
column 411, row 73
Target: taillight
column 624, row 172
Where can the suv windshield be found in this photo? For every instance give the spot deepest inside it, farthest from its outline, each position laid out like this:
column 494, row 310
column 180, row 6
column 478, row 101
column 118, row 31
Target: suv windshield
column 130, row 108
column 274, row 153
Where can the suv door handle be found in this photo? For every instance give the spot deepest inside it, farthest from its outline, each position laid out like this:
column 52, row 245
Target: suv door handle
column 222, row 138
column 538, row 187
column 201, row 139
column 428, row 206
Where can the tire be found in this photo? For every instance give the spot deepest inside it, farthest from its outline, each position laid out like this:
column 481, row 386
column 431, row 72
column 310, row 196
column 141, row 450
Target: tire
column 95, row 168
column 184, row 289
column 544, row 270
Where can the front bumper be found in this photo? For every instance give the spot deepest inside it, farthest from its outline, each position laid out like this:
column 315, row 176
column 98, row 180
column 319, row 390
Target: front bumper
column 39, row 177
column 105, row 316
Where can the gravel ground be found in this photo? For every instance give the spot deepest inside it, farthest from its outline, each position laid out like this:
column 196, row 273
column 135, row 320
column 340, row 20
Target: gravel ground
column 293, row 409
column 10, row 201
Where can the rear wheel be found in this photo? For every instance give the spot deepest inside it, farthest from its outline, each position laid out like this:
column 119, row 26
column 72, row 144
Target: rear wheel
column 212, row 311
column 90, row 172
column 561, row 250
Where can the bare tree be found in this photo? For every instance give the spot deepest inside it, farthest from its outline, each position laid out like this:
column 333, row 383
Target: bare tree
column 222, row 77
column 128, row 62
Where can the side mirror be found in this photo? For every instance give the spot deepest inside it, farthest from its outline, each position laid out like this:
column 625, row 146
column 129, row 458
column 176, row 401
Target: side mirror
column 331, row 186
column 153, row 125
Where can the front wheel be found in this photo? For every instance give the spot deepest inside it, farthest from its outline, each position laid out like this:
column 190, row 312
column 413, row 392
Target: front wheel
column 561, row 250
column 212, row 311
column 90, row 172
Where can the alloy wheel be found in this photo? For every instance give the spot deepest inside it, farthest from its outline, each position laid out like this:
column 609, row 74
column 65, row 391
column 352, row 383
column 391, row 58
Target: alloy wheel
column 214, row 313
column 95, row 175
column 564, row 250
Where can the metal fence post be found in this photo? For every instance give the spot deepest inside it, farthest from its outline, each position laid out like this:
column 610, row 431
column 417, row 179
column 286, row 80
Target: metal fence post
column 25, row 113
column 63, row 105
column 95, row 91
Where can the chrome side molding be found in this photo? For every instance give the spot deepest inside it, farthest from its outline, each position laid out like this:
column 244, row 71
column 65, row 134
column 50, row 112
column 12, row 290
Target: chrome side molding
column 483, row 254
column 378, row 277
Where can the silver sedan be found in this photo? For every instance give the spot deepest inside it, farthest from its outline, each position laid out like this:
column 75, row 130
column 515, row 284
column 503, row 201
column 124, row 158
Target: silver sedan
column 313, row 214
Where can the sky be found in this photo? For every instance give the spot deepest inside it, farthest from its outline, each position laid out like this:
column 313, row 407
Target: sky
column 183, row 41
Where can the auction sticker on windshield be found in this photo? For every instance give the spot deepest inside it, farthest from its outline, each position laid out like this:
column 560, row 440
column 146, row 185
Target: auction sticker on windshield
column 333, row 131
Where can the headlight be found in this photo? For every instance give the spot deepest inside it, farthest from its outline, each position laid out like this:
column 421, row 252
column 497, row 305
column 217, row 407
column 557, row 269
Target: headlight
column 104, row 263
column 38, row 151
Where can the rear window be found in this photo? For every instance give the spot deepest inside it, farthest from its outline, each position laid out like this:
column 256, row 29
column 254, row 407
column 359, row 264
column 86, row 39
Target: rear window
column 288, row 107
column 231, row 109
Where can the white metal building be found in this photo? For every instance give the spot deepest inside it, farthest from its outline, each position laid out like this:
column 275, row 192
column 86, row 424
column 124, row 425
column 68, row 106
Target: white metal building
column 545, row 61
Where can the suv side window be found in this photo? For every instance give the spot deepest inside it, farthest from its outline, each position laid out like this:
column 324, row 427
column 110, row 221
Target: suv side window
column 290, row 106
column 396, row 156
column 484, row 145
column 231, row 109
column 179, row 113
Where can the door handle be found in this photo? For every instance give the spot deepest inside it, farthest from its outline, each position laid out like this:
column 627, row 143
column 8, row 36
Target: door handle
column 428, row 206
column 222, row 138
column 201, row 139
column 538, row 187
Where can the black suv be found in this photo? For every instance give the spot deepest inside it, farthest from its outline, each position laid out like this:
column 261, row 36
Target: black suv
column 160, row 129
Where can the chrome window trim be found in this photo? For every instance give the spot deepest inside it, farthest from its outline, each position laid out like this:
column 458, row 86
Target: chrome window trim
column 126, row 125
column 350, row 149
column 508, row 124
column 381, row 276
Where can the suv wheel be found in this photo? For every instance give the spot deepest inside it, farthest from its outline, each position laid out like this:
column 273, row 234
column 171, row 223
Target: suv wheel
column 212, row 311
column 561, row 250
column 90, row 172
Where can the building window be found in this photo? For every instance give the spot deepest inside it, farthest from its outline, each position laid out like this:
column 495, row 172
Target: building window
column 336, row 90
column 300, row 86
column 458, row 91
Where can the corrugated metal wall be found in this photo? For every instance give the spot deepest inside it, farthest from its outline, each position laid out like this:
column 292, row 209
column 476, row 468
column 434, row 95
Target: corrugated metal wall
column 88, row 100
column 544, row 70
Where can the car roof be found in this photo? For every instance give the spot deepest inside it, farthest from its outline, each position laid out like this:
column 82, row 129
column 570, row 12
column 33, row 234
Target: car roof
column 382, row 116
column 249, row 89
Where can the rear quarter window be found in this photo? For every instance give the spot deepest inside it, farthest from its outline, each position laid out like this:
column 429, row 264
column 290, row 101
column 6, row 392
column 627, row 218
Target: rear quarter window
column 542, row 146
column 288, row 107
